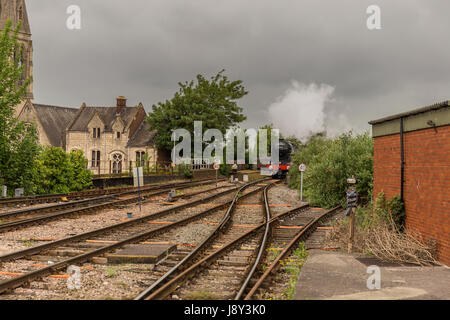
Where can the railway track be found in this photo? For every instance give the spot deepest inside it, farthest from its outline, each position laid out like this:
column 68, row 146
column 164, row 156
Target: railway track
column 83, row 247
column 231, row 256
column 285, row 239
column 48, row 198
column 17, row 219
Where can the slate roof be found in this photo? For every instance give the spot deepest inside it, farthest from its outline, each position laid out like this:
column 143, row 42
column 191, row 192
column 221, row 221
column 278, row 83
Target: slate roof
column 55, row 119
column 142, row 137
column 107, row 114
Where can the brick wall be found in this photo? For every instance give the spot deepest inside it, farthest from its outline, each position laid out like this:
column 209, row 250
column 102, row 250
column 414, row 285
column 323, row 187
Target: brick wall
column 427, row 181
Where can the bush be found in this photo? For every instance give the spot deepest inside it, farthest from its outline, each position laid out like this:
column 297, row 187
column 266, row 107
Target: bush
column 329, row 163
column 225, row 170
column 56, row 171
column 185, row 170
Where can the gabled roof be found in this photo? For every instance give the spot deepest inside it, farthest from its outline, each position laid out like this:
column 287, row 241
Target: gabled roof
column 54, row 120
column 106, row 114
column 142, row 137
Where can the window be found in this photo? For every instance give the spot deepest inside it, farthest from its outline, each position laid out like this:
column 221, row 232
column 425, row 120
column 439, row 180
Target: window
column 140, row 159
column 95, row 159
column 117, row 163
column 96, row 133
column 118, row 134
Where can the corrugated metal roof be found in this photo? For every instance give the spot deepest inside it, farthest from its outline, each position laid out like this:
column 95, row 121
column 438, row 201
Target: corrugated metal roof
column 436, row 106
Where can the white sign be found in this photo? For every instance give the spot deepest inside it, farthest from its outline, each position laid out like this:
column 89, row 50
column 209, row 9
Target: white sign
column 302, row 167
column 138, row 173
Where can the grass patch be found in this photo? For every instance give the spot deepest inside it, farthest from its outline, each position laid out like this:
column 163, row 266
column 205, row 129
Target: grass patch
column 110, row 272
column 292, row 267
column 27, row 243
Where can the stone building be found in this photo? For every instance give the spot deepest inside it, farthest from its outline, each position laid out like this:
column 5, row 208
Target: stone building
column 16, row 11
column 113, row 138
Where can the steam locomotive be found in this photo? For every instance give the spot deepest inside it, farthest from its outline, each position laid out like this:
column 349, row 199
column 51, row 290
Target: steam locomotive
column 280, row 170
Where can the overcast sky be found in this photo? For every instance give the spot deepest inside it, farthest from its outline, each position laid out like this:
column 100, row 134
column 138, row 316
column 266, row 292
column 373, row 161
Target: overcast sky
column 315, row 58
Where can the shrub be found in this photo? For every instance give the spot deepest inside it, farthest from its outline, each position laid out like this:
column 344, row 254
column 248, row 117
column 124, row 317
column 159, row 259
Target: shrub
column 329, row 163
column 185, row 170
column 225, row 170
column 56, row 171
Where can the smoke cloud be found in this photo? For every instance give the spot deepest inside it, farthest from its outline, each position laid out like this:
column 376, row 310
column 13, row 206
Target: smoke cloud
column 300, row 111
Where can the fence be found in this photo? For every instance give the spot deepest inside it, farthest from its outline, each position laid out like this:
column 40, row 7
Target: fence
column 112, row 168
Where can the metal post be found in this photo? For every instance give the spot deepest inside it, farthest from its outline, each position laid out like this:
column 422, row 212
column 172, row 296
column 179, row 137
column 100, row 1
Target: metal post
column 301, row 186
column 139, row 188
column 352, row 230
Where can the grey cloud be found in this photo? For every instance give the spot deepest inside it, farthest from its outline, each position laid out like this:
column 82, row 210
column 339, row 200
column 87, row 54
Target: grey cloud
column 142, row 49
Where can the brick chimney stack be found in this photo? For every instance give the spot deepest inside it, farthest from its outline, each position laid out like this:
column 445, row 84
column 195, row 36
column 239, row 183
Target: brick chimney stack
column 121, row 103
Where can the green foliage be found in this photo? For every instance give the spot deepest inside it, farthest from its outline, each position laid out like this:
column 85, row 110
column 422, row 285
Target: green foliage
column 212, row 101
column 329, row 163
column 185, row 170
column 397, row 211
column 392, row 210
column 292, row 267
column 225, row 170
column 82, row 177
column 18, row 146
column 56, row 171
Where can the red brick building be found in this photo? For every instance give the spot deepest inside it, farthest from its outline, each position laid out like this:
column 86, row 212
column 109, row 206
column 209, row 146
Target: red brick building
column 422, row 139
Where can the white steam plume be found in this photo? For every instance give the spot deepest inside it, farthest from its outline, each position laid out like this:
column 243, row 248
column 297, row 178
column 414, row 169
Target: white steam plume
column 300, row 111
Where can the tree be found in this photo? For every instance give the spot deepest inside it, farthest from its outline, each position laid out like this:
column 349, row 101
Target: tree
column 212, row 101
column 81, row 176
column 18, row 145
column 56, row 171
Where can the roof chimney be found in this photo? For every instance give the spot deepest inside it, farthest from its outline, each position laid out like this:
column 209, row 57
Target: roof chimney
column 121, row 103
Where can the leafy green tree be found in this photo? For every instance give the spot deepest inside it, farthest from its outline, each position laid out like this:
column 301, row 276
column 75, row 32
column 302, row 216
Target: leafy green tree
column 56, row 171
column 81, row 176
column 329, row 163
column 18, row 145
column 212, row 101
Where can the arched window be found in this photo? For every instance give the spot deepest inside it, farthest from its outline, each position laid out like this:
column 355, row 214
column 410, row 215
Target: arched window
column 117, row 163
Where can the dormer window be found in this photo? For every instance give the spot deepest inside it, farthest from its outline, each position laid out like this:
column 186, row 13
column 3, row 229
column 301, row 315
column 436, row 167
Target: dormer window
column 96, row 133
column 118, row 135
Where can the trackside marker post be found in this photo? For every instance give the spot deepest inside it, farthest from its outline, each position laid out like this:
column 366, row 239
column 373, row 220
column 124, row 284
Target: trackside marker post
column 352, row 201
column 138, row 176
column 216, row 167
column 301, row 168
